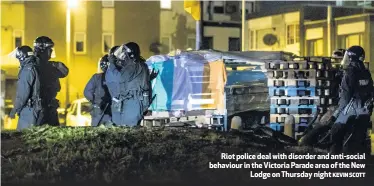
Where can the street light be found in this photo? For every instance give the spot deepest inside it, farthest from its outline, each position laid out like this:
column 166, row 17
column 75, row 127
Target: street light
column 70, row 4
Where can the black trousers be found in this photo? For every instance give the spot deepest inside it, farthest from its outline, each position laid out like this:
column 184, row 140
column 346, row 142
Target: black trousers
column 350, row 137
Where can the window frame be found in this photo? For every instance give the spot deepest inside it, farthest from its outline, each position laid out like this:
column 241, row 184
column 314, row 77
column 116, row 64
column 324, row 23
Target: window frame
column 296, row 36
column 315, row 41
column 345, row 37
column 223, row 6
column 103, row 40
column 205, row 38
column 14, row 37
column 105, row 5
column 84, row 43
column 194, row 38
column 238, row 39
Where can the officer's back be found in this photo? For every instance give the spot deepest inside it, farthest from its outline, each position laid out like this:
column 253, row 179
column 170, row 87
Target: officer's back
column 27, row 104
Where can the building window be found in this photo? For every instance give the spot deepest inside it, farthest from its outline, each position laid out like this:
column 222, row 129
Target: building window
column 165, row 4
column 166, row 44
column 346, row 41
column 107, row 3
column 207, row 43
column 18, row 36
column 80, row 43
column 249, row 7
column 234, row 44
column 191, row 42
column 218, row 7
column 231, row 7
column 107, row 42
column 293, row 34
column 315, row 47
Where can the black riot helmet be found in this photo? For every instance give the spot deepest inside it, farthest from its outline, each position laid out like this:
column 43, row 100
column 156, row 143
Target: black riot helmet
column 134, row 47
column 104, row 63
column 124, row 53
column 43, row 47
column 356, row 53
column 23, row 52
column 42, row 43
column 113, row 49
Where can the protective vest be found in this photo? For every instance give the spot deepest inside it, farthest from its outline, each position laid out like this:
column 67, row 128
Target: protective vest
column 34, row 99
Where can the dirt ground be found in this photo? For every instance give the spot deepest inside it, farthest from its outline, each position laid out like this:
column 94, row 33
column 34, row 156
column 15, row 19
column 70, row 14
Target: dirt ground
column 129, row 155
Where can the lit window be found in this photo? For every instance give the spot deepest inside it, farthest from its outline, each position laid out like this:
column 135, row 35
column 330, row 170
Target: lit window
column 346, row 41
column 107, row 3
column 108, row 40
column 293, row 34
column 165, row 4
column 191, row 42
column 80, row 43
column 18, row 38
column 315, row 47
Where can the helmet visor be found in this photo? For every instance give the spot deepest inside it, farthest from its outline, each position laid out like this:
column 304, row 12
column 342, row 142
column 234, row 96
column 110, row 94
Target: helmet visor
column 13, row 54
column 53, row 54
column 345, row 61
column 120, row 53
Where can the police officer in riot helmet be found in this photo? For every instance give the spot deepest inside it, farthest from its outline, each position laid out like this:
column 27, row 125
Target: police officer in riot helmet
column 136, row 50
column 97, row 93
column 339, row 53
column 112, row 58
column 356, row 92
column 51, row 72
column 27, row 103
column 129, row 86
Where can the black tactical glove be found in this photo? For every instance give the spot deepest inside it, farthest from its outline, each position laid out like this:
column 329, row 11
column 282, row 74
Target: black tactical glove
column 61, row 67
column 12, row 114
column 112, row 59
column 153, row 74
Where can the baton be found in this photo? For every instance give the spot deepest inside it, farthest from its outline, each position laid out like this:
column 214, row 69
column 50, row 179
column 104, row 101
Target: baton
column 102, row 115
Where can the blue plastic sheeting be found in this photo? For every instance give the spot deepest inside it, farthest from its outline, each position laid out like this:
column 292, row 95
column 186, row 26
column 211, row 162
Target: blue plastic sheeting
column 180, row 78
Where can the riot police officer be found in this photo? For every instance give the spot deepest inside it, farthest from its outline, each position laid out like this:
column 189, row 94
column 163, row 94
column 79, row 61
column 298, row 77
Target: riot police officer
column 97, row 93
column 27, row 104
column 339, row 53
column 136, row 49
column 356, row 91
column 128, row 83
column 51, row 72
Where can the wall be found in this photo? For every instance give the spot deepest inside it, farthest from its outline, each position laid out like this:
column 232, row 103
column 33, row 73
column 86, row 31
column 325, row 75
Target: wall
column 277, row 25
column 48, row 19
column 177, row 25
column 15, row 11
column 137, row 21
column 221, row 36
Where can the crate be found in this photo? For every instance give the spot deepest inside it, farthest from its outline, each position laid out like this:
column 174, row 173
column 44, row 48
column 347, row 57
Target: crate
column 295, row 101
column 275, row 109
column 291, row 83
column 292, row 74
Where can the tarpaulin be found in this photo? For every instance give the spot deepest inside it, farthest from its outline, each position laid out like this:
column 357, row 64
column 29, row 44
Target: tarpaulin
column 187, row 81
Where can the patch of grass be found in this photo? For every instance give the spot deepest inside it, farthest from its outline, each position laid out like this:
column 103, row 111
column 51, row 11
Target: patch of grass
column 114, row 154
